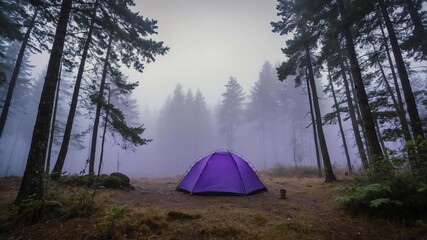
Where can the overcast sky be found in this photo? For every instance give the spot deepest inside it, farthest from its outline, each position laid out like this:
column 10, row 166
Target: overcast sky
column 209, row 40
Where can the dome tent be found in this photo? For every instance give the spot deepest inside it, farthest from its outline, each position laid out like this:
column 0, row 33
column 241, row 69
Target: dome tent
column 221, row 172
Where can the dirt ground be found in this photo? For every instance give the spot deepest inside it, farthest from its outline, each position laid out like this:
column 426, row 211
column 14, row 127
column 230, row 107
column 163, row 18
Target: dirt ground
column 308, row 200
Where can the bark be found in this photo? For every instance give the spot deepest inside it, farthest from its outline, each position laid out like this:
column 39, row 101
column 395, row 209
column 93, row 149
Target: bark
column 380, row 167
column 344, row 141
column 32, row 182
column 52, row 125
column 313, row 123
column 414, row 117
column 98, row 109
column 15, row 73
column 352, row 112
column 57, row 169
column 419, row 31
column 329, row 174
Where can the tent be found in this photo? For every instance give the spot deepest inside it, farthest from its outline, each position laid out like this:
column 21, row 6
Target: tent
column 221, row 172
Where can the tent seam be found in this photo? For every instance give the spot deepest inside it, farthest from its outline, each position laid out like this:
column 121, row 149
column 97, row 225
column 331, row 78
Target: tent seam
column 238, row 169
column 201, row 172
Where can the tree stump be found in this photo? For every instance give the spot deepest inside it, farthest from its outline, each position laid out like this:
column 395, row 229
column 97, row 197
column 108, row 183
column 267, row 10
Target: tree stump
column 282, row 193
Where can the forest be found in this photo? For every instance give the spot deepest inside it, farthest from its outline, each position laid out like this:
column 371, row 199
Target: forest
column 347, row 106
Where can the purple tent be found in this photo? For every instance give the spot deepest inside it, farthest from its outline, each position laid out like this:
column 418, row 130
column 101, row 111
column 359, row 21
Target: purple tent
column 221, row 172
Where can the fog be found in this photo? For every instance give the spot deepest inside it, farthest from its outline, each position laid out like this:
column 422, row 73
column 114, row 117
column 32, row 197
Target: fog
column 180, row 97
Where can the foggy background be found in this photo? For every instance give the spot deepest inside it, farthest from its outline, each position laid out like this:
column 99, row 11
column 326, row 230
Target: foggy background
column 179, row 97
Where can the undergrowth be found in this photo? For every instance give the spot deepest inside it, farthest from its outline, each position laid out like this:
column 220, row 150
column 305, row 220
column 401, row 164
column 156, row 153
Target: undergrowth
column 55, row 204
column 284, row 171
column 401, row 198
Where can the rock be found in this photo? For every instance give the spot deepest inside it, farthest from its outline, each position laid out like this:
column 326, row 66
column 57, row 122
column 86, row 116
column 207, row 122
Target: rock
column 116, row 180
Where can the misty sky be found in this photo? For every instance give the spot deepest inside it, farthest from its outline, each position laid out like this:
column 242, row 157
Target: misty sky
column 209, row 42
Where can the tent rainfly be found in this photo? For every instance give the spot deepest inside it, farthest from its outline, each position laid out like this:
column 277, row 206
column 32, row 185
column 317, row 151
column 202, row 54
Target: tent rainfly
column 221, row 172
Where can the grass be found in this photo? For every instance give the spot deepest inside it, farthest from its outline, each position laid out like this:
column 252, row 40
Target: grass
column 310, row 212
column 284, row 171
column 225, row 222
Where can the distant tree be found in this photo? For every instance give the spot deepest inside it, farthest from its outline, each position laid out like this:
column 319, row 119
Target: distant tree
column 231, row 111
column 15, row 141
column 263, row 106
column 184, row 129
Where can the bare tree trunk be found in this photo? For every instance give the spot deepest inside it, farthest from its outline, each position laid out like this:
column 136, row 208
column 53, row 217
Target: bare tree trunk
column 419, row 165
column 98, row 109
column 359, row 117
column 32, row 182
column 380, row 168
column 352, row 113
column 329, row 174
column 15, row 73
column 57, row 169
column 344, row 141
column 52, row 125
column 313, row 123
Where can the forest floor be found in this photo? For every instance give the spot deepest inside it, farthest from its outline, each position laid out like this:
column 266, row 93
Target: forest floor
column 154, row 210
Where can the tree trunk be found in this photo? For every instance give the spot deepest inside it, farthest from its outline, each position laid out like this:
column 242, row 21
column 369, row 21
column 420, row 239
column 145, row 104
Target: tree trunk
column 377, row 126
column 400, row 111
column 359, row 116
column 15, row 73
column 419, row 30
column 263, row 142
column 274, row 137
column 103, row 135
column 57, row 169
column 344, row 141
column 98, row 109
column 52, row 125
column 380, row 167
column 352, row 113
column 32, row 182
column 396, row 83
column 313, row 123
column 414, row 117
column 329, row 174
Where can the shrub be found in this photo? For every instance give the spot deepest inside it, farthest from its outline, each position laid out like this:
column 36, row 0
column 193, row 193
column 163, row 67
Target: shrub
column 402, row 198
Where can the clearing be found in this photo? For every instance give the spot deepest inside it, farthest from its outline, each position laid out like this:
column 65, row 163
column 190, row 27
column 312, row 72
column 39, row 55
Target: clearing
column 153, row 210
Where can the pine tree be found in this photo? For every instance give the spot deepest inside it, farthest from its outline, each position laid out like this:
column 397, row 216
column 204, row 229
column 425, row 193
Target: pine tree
column 231, row 111
column 295, row 19
column 32, row 182
column 263, row 106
